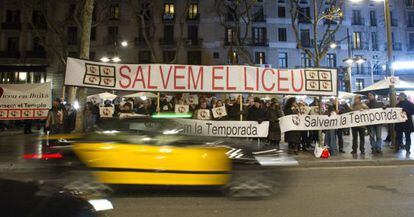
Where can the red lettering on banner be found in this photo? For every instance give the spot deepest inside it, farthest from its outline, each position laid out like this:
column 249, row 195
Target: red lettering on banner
column 264, row 79
column 257, row 78
column 293, row 81
column 216, row 77
column 176, row 77
column 149, row 79
column 199, row 78
column 227, row 80
column 139, row 78
column 245, row 80
column 165, row 82
column 279, row 79
column 124, row 76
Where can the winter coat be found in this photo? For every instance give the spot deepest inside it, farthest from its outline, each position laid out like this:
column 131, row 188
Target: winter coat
column 292, row 136
column 375, row 104
column 256, row 114
column 233, row 111
column 273, row 116
column 408, row 107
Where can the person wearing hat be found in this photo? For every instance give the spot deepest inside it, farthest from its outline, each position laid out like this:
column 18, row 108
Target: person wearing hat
column 256, row 112
column 358, row 105
column 406, row 127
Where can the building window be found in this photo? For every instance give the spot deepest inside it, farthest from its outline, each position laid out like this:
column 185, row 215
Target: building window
column 359, row 84
column 410, row 19
column 306, row 60
column 216, row 55
column 282, row 34
column 411, row 41
column 229, row 37
column 281, row 11
column 114, row 12
column 331, row 60
column 305, row 37
column 169, row 34
column 194, row 57
column 38, row 20
column 304, row 15
column 374, row 39
column 260, row 57
column 193, row 12
column 259, row 35
column 373, row 18
column 357, row 18
column 13, row 16
column 258, row 15
column 168, row 56
column 144, row 57
column 283, row 59
column 72, row 36
column 356, row 40
column 112, row 35
column 359, row 66
column 193, row 34
column 13, row 44
column 168, row 11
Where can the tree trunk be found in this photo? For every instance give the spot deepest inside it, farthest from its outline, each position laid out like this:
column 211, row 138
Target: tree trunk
column 84, row 54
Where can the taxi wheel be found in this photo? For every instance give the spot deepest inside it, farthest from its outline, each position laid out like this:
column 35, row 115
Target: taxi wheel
column 251, row 185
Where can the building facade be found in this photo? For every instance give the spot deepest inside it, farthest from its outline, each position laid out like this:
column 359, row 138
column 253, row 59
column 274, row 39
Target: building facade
column 191, row 32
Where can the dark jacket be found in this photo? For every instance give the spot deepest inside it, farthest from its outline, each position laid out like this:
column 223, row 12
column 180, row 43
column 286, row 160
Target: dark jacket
column 292, row 136
column 375, row 104
column 406, row 126
column 233, row 111
column 256, row 114
column 273, row 116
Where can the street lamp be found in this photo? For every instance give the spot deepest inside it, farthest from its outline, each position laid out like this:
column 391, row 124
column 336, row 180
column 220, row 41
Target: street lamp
column 116, row 59
column 124, row 43
column 104, row 59
column 333, row 45
column 349, row 61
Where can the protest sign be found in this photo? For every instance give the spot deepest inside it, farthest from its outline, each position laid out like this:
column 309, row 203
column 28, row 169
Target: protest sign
column 192, row 99
column 25, row 101
column 219, row 112
column 182, row 109
column 250, row 129
column 106, row 112
column 347, row 120
column 199, row 78
column 203, row 114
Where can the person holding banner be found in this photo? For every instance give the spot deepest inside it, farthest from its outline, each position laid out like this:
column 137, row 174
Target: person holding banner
column 55, row 117
column 406, row 127
column 330, row 135
column 358, row 105
column 375, row 131
column 292, row 137
column 256, row 112
column 273, row 114
column 89, row 117
column 202, row 113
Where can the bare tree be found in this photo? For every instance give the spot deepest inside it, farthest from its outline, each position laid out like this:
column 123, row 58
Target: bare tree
column 327, row 11
column 146, row 12
column 238, row 16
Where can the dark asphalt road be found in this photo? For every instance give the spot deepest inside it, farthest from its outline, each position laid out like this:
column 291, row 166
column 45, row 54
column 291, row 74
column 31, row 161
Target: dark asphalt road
column 362, row 191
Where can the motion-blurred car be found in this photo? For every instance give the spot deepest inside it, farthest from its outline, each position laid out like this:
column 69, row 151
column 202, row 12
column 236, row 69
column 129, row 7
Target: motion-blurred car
column 153, row 152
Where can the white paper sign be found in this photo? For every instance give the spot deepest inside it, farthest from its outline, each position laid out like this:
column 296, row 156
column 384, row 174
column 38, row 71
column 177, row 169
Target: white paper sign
column 203, row 114
column 192, row 99
column 182, row 109
column 347, row 120
column 106, row 112
column 219, row 112
column 200, row 78
column 25, row 101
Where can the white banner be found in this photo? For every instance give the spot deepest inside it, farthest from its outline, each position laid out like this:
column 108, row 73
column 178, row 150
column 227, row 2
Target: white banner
column 196, row 78
column 25, row 101
column 249, row 129
column 347, row 120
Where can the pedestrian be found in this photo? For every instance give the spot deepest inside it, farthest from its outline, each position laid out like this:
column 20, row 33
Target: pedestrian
column 314, row 110
column 358, row 105
column 406, row 127
column 233, row 109
column 89, row 117
column 343, row 108
column 70, row 119
column 28, row 126
column 292, row 137
column 202, row 113
column 219, row 103
column 330, row 135
column 256, row 112
column 305, row 137
column 55, row 117
column 375, row 131
column 273, row 114
column 165, row 105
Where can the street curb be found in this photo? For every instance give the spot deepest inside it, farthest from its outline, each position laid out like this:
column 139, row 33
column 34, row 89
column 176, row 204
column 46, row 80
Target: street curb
column 353, row 163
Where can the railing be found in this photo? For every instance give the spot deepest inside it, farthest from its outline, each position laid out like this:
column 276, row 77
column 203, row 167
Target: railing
column 360, row 46
column 259, row 42
column 193, row 42
column 11, row 25
column 259, row 17
column 9, row 54
column 362, row 70
column 168, row 16
column 139, row 41
column 167, row 42
column 193, row 17
column 36, row 54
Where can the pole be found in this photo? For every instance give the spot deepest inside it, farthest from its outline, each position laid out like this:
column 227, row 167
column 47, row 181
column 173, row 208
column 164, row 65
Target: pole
column 241, row 106
column 84, row 54
column 389, row 71
column 349, row 66
column 158, row 103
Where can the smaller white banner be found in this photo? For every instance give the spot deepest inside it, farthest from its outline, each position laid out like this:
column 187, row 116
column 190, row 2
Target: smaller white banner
column 347, row 120
column 106, row 112
column 224, row 128
column 192, row 99
column 219, row 112
column 203, row 114
column 182, row 109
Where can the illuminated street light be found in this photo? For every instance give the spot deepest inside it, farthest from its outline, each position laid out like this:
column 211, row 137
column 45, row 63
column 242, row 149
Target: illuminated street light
column 104, row 59
column 124, row 43
column 116, row 59
column 349, row 61
column 360, row 60
column 333, row 45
